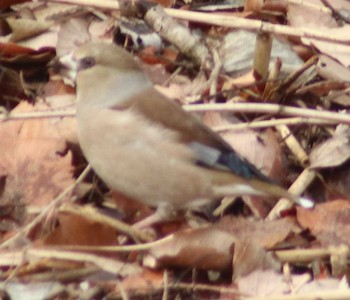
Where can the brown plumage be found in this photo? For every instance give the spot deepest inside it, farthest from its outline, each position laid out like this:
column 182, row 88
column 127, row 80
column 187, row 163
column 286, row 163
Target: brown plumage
column 146, row 146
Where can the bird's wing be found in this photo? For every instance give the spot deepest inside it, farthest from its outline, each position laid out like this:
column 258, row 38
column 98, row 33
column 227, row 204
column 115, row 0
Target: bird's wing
column 210, row 149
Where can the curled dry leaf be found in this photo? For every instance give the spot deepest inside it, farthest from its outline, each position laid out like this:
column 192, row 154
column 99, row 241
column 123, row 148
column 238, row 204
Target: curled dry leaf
column 266, row 234
column 333, row 152
column 212, row 248
column 301, row 15
column 25, row 28
column 340, row 52
column 214, row 245
column 16, row 56
column 237, row 52
column 330, row 69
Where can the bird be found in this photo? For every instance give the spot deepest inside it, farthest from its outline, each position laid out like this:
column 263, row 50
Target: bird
column 145, row 146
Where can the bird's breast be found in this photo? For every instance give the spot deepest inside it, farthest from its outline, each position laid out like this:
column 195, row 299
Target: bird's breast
column 140, row 159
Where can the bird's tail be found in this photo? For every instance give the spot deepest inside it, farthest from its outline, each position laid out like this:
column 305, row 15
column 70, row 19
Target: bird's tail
column 232, row 185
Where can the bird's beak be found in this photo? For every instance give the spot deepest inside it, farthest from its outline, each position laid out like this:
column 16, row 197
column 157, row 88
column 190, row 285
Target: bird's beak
column 70, row 68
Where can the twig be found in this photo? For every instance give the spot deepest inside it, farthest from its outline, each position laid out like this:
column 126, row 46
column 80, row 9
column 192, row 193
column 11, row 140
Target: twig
column 127, row 248
column 37, row 115
column 253, row 124
column 228, row 21
column 336, row 294
column 271, row 109
column 237, row 22
column 165, row 295
column 293, row 144
column 110, row 265
column 178, row 35
column 297, row 188
column 273, row 122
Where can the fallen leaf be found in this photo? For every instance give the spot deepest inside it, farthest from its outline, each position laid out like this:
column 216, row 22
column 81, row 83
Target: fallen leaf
column 34, row 158
column 328, row 222
column 334, row 151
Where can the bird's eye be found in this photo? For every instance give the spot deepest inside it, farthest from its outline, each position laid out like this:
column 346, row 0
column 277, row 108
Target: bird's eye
column 87, row 62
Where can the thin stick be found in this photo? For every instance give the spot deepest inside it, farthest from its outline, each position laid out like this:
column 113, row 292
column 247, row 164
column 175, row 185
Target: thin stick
column 228, row 21
column 336, row 294
column 254, row 124
column 237, row 22
column 273, row 122
column 271, row 109
column 293, row 144
column 37, row 115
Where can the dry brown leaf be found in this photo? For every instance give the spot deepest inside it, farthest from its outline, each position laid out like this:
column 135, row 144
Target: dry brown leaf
column 333, row 152
column 340, row 5
column 249, row 257
column 44, row 40
column 337, row 51
column 321, row 88
column 35, row 160
column 220, row 241
column 206, row 243
column 341, row 97
column 266, row 234
column 329, row 222
column 330, row 69
column 26, row 28
column 22, row 58
column 237, row 52
column 76, row 230
column 184, row 89
column 300, row 15
column 264, row 283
